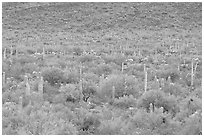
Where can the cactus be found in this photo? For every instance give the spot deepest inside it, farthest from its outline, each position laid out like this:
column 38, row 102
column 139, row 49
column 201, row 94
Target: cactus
column 27, row 86
column 122, row 67
column 169, row 80
column 162, row 82
column 145, row 80
column 113, row 92
column 80, row 82
column 192, row 73
column 4, row 78
column 20, row 104
column 11, row 52
column 157, row 82
column 5, row 53
column 151, row 107
column 40, row 86
column 43, row 53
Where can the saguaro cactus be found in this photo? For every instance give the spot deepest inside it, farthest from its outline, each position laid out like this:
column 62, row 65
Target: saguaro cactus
column 5, row 53
column 27, row 86
column 43, row 53
column 122, row 67
column 11, row 51
column 113, row 92
column 145, row 80
column 4, row 78
column 157, row 82
column 40, row 86
column 20, row 105
column 162, row 83
column 80, row 82
column 151, row 107
column 192, row 73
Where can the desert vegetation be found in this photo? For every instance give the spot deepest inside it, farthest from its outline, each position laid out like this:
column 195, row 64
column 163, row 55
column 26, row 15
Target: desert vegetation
column 101, row 68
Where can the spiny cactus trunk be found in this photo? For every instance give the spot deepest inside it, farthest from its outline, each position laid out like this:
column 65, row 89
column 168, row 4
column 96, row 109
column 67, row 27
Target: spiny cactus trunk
column 113, row 93
column 192, row 73
column 27, row 86
column 11, row 52
column 122, row 67
column 151, row 107
column 145, row 80
column 40, row 86
column 43, row 53
column 20, row 105
column 4, row 79
column 162, row 83
column 81, row 83
column 157, row 82
column 5, row 53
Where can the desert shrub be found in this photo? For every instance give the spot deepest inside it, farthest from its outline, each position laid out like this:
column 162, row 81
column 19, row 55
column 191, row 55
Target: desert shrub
column 90, row 124
column 175, row 89
column 16, row 71
column 86, row 58
column 192, row 126
column 71, row 76
column 89, row 89
column 71, row 92
column 25, row 59
column 117, row 59
column 124, row 85
column 111, row 127
column 47, row 88
column 154, row 123
column 90, row 77
column 105, row 69
column 53, row 75
column 188, row 106
column 158, row 99
column 30, row 67
column 125, row 102
column 77, row 51
column 166, row 72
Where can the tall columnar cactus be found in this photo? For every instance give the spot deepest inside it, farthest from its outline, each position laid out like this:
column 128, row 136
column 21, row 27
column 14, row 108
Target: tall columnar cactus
column 43, row 53
column 157, row 82
column 27, row 86
column 5, row 53
column 122, row 67
column 162, row 83
column 169, row 80
column 20, row 105
column 151, row 107
column 16, row 52
column 192, row 73
column 80, row 82
column 113, row 92
column 145, row 80
column 4, row 78
column 11, row 51
column 40, row 86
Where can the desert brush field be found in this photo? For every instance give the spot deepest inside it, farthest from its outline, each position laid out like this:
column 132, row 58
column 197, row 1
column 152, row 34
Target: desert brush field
column 120, row 68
